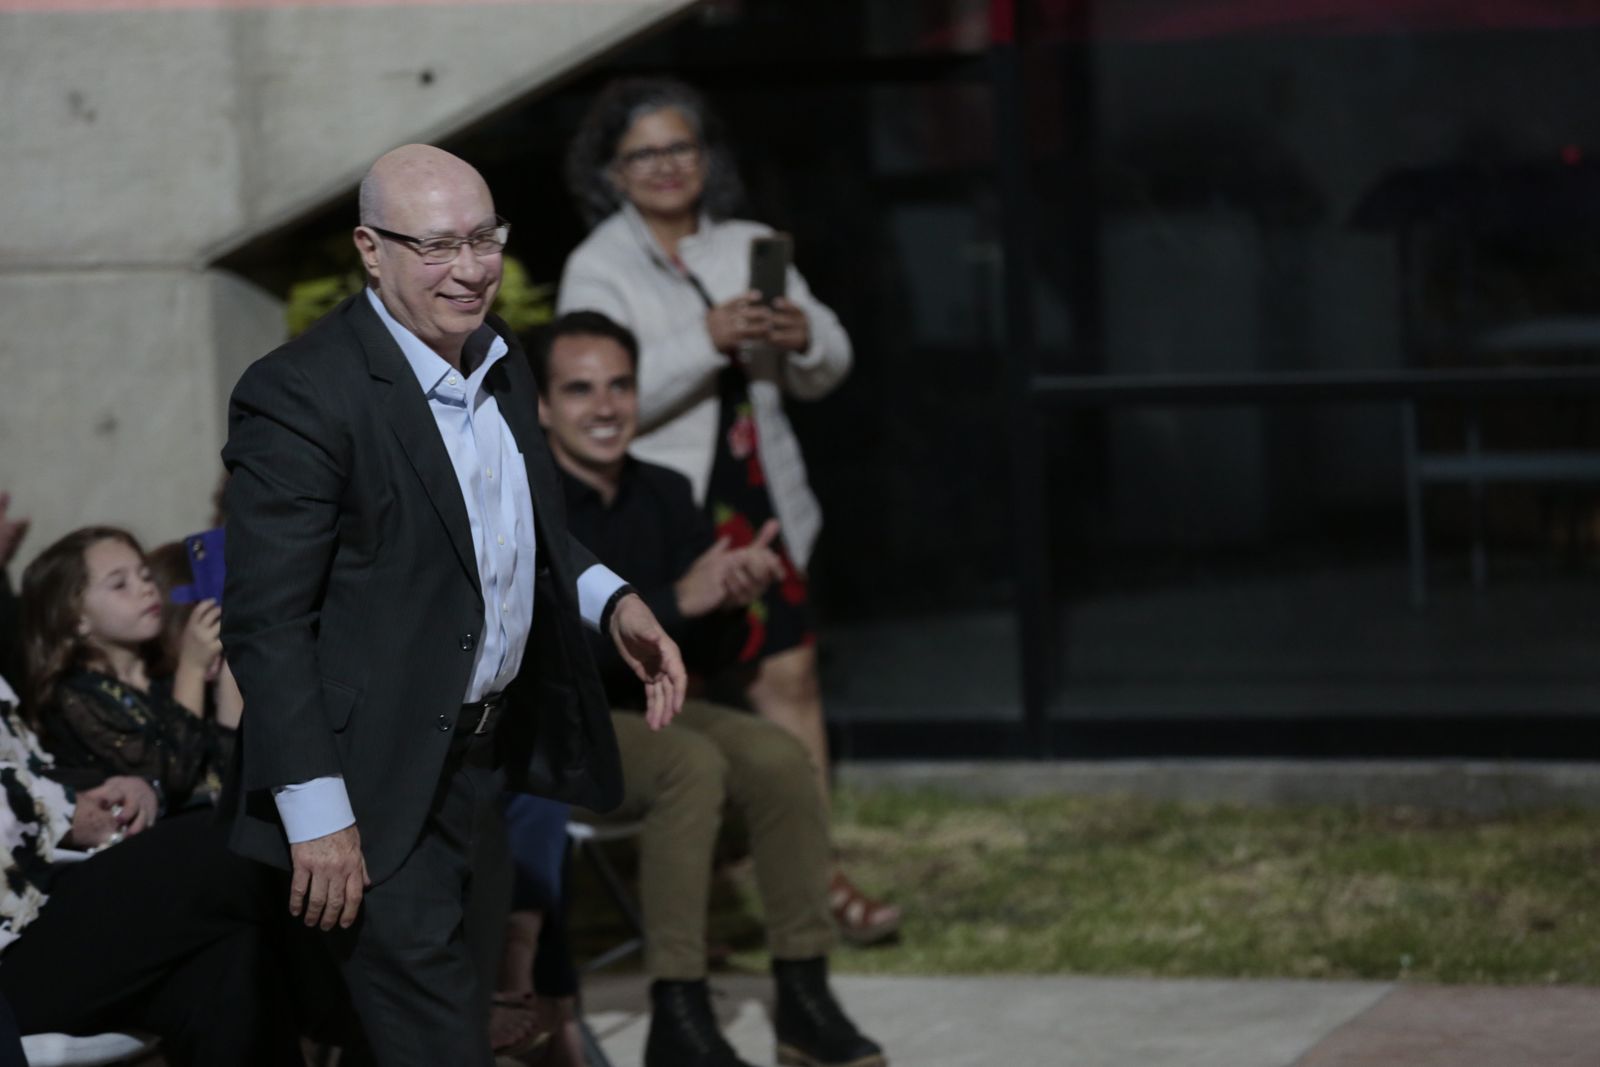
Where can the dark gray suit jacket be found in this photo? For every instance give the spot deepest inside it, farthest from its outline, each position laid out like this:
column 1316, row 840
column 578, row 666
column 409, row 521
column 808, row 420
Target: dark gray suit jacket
column 352, row 605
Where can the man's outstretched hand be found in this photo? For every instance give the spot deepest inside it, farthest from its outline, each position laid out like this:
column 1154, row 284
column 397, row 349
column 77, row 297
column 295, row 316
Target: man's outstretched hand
column 653, row 656
column 330, row 874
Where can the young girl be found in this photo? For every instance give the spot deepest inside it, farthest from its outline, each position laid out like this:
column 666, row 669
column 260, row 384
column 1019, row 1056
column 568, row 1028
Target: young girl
column 91, row 621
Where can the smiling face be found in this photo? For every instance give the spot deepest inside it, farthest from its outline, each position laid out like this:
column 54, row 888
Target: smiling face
column 590, row 407
column 426, row 193
column 668, row 181
column 121, row 604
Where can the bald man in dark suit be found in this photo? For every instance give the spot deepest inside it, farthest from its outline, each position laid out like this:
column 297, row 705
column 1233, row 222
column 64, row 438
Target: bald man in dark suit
column 404, row 611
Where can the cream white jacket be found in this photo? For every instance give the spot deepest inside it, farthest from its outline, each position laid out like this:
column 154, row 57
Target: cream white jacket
column 621, row 270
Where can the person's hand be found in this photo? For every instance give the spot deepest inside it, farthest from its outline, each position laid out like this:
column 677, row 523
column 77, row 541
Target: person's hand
column 117, row 808
column 724, row 577
column 749, row 570
column 653, row 656
column 330, row 875
column 744, row 318
column 201, row 643
column 791, row 330
column 12, row 531
column 701, row 590
column 199, row 649
column 559, row 1016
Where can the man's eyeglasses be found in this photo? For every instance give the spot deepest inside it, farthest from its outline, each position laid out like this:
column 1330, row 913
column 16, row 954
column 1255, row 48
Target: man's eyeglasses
column 683, row 154
column 438, row 251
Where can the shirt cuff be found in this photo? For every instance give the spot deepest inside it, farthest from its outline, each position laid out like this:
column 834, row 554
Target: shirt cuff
column 313, row 809
column 595, row 587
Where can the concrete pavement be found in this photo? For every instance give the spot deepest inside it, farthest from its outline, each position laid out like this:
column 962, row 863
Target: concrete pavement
column 1065, row 1021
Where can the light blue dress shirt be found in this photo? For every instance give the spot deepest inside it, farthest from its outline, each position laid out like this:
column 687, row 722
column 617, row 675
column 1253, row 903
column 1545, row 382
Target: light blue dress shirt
column 494, row 486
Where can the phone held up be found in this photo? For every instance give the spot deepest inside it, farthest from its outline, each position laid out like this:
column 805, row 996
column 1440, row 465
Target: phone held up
column 205, row 564
column 769, row 265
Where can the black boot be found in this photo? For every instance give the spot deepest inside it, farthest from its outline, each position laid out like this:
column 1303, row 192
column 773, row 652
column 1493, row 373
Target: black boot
column 683, row 1030
column 813, row 1031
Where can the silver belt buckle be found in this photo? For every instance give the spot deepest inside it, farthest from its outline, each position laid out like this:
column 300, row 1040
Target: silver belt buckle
column 490, row 706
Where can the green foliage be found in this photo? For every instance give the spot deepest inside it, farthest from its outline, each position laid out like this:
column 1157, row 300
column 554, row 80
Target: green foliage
column 1060, row 884
column 313, row 298
column 523, row 304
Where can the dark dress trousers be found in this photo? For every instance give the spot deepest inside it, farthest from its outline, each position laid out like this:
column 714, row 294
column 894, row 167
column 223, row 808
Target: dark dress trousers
column 352, row 610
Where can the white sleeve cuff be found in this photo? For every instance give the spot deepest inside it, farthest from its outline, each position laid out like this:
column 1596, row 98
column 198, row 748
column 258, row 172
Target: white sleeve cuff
column 814, row 355
column 595, row 587
column 313, row 809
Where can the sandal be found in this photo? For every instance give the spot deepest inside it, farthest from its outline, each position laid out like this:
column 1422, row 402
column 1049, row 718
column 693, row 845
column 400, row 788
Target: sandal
column 514, row 1028
column 861, row 920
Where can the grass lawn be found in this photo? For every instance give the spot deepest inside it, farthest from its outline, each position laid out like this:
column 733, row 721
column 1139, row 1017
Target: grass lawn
column 1051, row 885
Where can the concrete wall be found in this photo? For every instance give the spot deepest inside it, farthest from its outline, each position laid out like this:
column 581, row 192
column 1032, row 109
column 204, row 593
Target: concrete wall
column 141, row 145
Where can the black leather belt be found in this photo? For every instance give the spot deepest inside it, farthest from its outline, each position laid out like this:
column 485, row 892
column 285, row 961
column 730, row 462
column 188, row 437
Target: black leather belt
column 480, row 716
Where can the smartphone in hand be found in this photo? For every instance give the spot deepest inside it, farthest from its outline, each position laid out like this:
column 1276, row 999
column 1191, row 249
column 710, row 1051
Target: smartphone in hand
column 205, row 564
column 769, row 265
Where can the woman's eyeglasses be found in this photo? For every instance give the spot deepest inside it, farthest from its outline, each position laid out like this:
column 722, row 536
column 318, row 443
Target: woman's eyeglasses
column 683, row 154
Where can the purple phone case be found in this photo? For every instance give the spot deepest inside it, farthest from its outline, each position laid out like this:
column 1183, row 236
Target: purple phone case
column 205, row 564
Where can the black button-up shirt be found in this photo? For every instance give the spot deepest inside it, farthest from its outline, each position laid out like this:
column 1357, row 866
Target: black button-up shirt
column 650, row 534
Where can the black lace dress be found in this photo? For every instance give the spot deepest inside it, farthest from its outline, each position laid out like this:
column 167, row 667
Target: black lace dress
column 96, row 722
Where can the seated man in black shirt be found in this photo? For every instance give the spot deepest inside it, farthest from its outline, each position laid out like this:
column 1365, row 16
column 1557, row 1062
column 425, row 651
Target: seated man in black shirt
column 642, row 520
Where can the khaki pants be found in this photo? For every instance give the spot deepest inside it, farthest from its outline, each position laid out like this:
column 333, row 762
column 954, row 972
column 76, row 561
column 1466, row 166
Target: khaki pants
column 677, row 782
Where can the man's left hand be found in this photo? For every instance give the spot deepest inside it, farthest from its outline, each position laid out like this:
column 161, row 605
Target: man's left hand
column 653, row 656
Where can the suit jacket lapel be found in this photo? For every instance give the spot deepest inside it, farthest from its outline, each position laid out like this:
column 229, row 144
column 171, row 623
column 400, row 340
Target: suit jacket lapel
column 406, row 409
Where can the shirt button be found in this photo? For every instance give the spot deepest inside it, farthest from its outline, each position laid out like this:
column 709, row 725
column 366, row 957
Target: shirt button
column 468, row 642
column 451, row 379
column 500, row 539
column 444, row 724
column 504, row 608
column 488, row 472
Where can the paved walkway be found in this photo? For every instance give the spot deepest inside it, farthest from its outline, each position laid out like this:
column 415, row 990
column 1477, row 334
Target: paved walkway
column 1125, row 1022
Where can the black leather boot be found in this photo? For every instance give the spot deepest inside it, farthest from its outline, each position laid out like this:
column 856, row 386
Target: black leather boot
column 813, row 1031
column 683, row 1029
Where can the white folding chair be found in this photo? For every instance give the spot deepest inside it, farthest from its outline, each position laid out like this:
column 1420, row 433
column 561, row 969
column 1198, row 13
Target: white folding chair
column 65, row 1050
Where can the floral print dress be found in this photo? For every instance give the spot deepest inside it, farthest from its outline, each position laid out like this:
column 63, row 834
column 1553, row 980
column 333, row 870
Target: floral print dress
column 35, row 817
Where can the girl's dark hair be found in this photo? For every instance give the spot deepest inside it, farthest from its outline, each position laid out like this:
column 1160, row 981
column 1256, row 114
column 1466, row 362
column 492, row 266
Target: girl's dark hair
column 52, row 604
column 619, row 105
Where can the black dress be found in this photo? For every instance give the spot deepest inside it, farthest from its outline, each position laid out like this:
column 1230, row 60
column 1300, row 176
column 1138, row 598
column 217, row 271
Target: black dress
column 98, row 723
